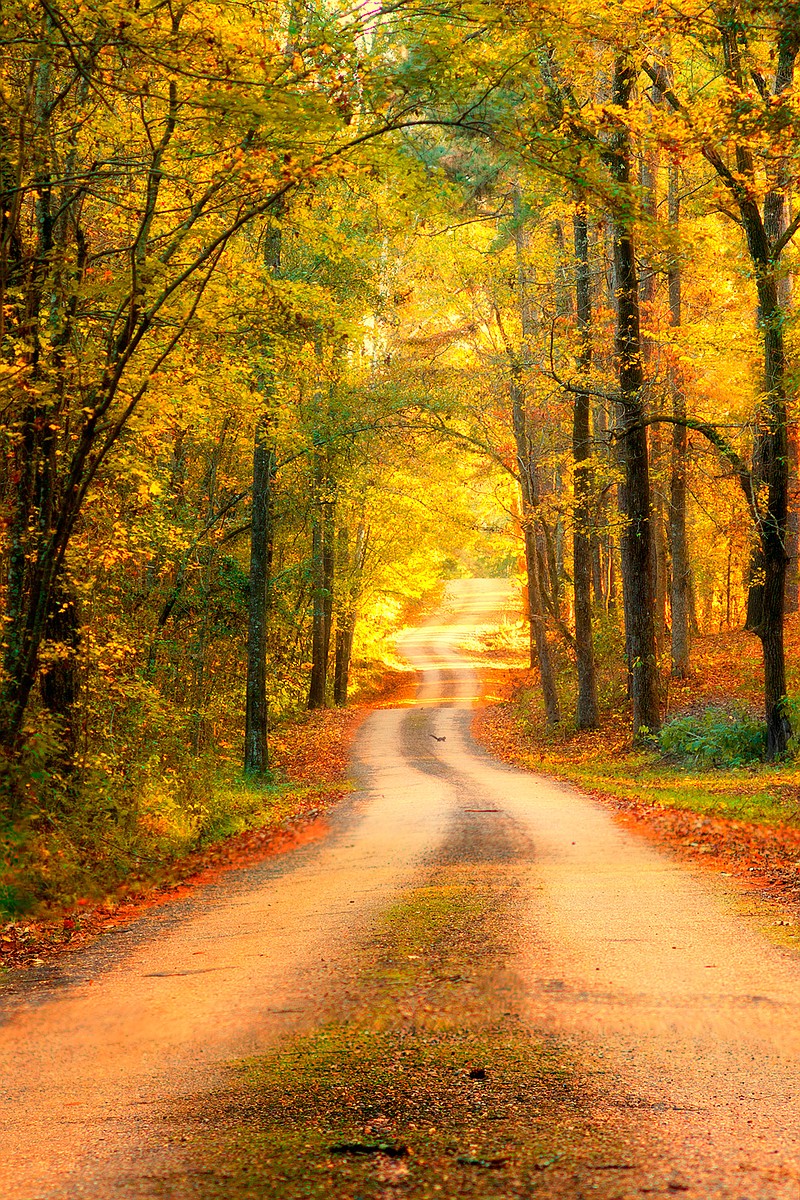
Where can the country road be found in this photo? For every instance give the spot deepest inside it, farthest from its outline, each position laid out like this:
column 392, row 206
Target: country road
column 681, row 1012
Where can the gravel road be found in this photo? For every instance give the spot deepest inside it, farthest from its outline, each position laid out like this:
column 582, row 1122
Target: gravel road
column 680, row 1007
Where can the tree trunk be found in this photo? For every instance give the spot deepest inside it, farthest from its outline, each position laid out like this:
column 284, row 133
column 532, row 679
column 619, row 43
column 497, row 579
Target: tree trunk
column 540, row 650
column 256, row 736
column 256, row 752
column 346, row 624
column 680, row 597
column 319, row 662
column 538, row 628
column 636, row 554
column 765, row 601
column 770, row 471
column 322, row 568
column 586, row 715
column 526, row 475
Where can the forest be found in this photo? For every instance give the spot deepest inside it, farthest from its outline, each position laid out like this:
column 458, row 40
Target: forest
column 306, row 306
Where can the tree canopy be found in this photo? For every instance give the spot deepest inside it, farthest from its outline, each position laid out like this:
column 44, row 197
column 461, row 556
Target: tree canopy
column 303, row 306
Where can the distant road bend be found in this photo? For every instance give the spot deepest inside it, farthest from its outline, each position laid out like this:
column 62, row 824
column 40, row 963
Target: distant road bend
column 686, row 1015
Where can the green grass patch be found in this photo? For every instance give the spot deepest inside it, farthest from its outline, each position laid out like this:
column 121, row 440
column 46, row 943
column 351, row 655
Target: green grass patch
column 604, row 761
column 428, row 1083
column 104, row 845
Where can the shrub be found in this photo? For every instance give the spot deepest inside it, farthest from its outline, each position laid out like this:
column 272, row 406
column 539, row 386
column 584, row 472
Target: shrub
column 716, row 737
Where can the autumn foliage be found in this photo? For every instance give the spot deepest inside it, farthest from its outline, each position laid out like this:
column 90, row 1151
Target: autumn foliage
column 304, row 307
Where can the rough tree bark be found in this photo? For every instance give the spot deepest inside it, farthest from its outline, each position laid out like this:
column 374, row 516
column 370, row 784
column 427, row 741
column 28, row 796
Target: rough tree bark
column 770, row 473
column 256, row 753
column 680, row 597
column 586, row 715
column 767, row 483
column 256, row 737
column 636, row 552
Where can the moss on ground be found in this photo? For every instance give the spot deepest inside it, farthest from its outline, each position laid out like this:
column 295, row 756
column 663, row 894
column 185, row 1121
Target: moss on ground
column 426, row 1085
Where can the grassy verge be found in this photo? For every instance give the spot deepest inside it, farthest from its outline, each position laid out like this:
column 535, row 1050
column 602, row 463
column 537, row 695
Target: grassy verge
column 428, row 1084
column 744, row 821
column 64, row 883
column 726, row 671
column 603, row 761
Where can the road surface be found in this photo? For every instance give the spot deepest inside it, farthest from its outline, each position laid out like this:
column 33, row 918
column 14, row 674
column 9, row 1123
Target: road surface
column 683, row 1013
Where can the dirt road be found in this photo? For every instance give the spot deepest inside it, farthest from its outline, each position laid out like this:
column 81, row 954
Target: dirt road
column 678, row 1008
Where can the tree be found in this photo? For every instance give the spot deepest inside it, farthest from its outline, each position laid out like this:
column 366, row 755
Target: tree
column 767, row 233
column 586, row 716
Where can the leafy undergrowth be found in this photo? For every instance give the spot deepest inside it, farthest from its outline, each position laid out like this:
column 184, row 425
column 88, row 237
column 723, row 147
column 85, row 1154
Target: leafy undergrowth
column 241, row 823
column 427, row 1084
column 745, row 820
column 69, row 874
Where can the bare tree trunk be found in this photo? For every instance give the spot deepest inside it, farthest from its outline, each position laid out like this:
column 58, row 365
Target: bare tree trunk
column 322, row 567
column 765, row 601
column 538, row 628
column 766, row 485
column 526, row 474
column 586, row 716
column 346, row 624
column 256, row 736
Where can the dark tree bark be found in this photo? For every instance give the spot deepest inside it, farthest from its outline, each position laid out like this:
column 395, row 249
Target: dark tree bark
column 766, row 485
column 770, row 473
column 256, row 737
column 586, row 716
column 680, row 597
column 636, row 552
column 765, row 601
column 256, row 754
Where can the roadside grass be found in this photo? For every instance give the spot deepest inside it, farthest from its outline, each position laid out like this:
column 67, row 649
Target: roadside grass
column 64, row 881
column 427, row 1083
column 78, row 844
column 603, row 761
column 726, row 674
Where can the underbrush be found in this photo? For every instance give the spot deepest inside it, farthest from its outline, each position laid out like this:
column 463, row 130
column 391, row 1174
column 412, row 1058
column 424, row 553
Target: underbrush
column 69, row 839
column 604, row 761
column 708, row 758
column 715, row 737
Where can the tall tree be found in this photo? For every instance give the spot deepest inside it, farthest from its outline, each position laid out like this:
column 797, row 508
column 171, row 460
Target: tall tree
column 767, row 482
column 636, row 538
column 586, row 711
